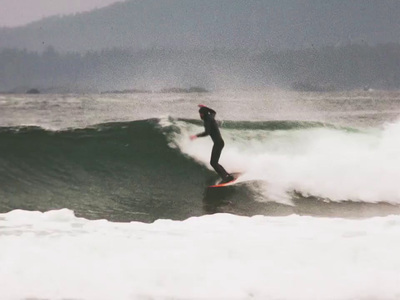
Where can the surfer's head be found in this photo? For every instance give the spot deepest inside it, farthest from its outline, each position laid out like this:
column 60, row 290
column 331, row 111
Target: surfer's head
column 203, row 111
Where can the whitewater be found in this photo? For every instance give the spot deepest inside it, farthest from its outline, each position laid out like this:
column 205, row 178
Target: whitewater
column 332, row 163
column 55, row 255
column 105, row 197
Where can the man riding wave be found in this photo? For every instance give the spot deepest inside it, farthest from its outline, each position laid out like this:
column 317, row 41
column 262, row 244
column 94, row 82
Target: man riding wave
column 211, row 128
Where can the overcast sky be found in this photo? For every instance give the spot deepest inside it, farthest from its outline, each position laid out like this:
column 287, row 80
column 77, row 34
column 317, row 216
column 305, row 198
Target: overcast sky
column 20, row 12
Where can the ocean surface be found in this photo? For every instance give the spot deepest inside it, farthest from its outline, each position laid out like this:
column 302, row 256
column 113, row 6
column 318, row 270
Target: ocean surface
column 106, row 197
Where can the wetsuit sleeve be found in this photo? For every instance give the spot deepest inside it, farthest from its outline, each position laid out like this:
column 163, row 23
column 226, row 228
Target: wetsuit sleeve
column 207, row 129
column 202, row 134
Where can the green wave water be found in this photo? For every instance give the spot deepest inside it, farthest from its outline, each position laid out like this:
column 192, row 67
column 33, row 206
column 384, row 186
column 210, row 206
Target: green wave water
column 132, row 171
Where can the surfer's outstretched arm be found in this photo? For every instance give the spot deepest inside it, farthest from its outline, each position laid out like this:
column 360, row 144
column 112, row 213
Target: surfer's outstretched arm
column 203, row 134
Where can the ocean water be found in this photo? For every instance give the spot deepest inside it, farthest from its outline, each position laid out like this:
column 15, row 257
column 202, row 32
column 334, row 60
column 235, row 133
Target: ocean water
column 105, row 197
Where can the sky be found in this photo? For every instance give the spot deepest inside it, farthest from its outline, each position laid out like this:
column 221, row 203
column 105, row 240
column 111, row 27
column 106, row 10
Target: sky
column 20, row 12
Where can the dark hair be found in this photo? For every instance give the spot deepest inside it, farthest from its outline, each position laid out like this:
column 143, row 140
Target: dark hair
column 203, row 110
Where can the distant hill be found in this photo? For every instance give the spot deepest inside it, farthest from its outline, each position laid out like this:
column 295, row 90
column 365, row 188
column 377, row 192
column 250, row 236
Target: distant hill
column 188, row 24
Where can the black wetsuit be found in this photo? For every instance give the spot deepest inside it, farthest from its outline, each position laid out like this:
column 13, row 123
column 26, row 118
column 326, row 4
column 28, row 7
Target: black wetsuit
column 211, row 129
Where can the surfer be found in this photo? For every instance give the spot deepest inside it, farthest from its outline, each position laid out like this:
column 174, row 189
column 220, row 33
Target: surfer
column 211, row 128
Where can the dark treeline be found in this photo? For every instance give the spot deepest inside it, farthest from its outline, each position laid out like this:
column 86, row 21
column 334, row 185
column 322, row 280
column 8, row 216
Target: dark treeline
column 328, row 68
column 345, row 67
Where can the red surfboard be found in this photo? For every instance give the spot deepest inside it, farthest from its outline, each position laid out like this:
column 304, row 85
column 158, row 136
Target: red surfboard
column 235, row 177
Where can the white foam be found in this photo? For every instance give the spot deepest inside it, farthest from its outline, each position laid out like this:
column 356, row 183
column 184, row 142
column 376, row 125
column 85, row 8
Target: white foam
column 55, row 255
column 323, row 162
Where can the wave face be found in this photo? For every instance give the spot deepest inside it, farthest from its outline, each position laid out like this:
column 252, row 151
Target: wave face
column 149, row 169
